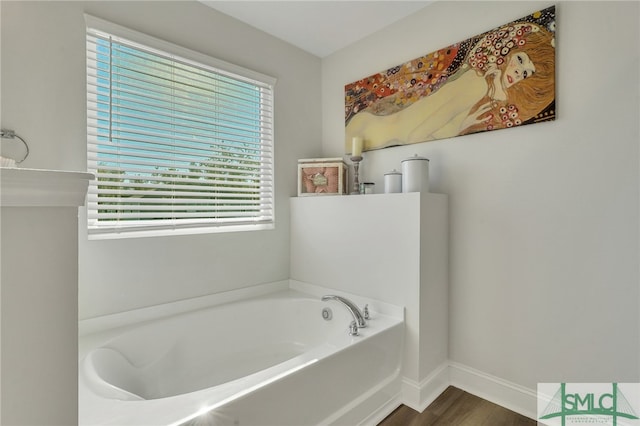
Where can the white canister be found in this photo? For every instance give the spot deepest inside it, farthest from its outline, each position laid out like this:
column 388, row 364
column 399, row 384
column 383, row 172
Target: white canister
column 415, row 174
column 392, row 182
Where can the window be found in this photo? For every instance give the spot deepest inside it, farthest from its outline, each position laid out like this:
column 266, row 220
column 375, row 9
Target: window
column 179, row 142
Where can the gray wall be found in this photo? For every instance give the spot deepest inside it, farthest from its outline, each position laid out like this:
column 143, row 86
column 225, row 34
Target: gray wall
column 543, row 218
column 43, row 100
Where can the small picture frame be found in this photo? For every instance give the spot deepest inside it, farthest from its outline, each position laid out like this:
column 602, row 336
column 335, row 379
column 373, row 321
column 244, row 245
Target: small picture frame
column 322, row 176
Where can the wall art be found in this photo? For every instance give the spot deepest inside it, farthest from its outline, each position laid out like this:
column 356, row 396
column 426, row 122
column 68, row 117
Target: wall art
column 322, row 176
column 502, row 78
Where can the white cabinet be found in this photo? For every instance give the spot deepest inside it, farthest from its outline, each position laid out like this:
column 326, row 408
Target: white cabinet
column 390, row 247
column 39, row 295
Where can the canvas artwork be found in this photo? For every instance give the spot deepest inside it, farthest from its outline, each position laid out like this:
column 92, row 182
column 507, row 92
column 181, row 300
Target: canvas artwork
column 502, row 78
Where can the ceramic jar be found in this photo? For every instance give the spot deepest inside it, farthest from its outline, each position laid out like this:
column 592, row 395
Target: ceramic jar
column 392, row 182
column 415, row 174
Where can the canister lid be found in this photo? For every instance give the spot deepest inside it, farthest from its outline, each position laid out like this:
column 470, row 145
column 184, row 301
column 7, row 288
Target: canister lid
column 415, row 157
column 393, row 172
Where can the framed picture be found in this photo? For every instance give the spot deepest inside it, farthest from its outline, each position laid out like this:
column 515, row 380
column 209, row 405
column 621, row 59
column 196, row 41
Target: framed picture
column 322, row 176
column 502, row 78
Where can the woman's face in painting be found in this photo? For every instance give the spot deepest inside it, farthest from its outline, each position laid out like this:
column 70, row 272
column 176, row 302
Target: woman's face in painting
column 518, row 68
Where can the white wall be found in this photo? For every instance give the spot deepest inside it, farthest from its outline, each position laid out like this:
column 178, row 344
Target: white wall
column 43, row 100
column 39, row 273
column 39, row 335
column 386, row 247
column 543, row 218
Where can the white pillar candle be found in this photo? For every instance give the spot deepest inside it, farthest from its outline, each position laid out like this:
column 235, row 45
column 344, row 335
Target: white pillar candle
column 356, row 147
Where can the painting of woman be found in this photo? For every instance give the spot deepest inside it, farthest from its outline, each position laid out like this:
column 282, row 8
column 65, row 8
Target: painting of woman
column 502, row 78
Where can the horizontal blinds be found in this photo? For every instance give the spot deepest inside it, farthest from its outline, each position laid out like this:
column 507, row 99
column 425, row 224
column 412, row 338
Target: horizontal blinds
column 173, row 142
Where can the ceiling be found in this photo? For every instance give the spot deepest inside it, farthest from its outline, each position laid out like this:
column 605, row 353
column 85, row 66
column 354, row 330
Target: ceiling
column 318, row 27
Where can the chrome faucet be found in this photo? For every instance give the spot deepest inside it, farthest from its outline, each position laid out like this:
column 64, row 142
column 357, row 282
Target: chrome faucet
column 358, row 317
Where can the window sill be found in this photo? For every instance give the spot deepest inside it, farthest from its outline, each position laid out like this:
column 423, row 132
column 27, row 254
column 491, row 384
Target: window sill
column 125, row 234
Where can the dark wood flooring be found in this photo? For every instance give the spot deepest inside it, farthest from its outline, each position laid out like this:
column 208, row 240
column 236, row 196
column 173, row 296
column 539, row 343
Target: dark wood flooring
column 455, row 407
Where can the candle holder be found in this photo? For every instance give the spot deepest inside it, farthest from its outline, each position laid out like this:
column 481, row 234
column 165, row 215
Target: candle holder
column 356, row 179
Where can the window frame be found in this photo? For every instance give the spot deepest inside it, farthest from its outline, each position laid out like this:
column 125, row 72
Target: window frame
column 266, row 142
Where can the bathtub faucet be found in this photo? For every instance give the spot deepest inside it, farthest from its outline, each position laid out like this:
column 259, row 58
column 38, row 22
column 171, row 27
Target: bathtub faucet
column 358, row 317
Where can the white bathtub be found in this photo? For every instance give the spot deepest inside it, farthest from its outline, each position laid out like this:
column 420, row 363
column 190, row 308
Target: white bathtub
column 268, row 360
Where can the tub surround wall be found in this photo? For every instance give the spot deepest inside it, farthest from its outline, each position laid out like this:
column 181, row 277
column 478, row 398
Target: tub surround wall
column 39, row 334
column 390, row 247
column 106, row 325
column 544, row 219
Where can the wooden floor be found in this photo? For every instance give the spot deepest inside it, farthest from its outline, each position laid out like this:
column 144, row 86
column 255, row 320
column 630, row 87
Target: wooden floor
column 455, row 407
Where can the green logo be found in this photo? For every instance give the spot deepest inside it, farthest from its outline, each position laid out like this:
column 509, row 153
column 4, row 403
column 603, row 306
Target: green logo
column 589, row 403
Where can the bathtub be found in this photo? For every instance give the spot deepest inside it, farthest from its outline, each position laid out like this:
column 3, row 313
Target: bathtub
column 267, row 360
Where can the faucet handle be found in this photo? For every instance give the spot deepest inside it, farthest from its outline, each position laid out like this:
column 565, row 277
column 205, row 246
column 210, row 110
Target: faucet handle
column 353, row 329
column 365, row 312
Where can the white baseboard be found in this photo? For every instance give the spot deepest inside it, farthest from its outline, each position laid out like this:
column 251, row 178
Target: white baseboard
column 509, row 395
column 419, row 395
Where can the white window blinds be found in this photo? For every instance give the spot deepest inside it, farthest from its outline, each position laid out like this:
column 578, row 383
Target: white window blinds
column 174, row 142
